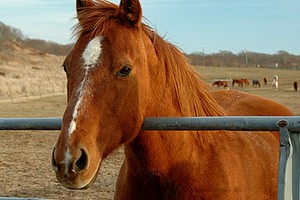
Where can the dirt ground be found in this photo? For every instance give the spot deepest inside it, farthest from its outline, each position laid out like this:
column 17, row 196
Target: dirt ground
column 25, row 169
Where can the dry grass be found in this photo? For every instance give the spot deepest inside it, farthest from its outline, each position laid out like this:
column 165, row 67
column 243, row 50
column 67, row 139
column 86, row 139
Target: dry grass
column 51, row 106
column 285, row 94
column 26, row 72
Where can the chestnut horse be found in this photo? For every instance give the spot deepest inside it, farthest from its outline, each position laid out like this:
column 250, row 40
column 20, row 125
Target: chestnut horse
column 119, row 72
column 220, row 83
column 265, row 81
column 240, row 82
column 295, row 84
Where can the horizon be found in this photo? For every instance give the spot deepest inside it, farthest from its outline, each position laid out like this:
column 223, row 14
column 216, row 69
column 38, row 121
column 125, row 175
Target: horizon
column 194, row 27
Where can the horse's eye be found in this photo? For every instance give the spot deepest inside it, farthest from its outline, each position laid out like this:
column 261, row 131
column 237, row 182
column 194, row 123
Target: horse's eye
column 65, row 68
column 125, row 71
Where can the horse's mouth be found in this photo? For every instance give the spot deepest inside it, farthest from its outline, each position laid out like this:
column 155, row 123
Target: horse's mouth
column 78, row 183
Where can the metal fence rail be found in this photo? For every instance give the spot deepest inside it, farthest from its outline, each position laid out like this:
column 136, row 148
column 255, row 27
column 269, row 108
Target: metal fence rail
column 30, row 123
column 252, row 123
column 289, row 127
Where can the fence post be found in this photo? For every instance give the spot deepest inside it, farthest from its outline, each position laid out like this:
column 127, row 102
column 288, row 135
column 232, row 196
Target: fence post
column 295, row 139
column 285, row 163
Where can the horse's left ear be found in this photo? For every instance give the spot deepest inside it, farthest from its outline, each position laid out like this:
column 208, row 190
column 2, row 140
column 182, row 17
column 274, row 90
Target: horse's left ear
column 131, row 12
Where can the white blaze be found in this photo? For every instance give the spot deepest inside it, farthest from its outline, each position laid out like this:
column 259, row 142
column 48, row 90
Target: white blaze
column 92, row 52
column 90, row 57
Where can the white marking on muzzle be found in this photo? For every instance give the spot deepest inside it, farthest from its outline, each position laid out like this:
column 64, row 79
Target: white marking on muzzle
column 90, row 57
column 67, row 161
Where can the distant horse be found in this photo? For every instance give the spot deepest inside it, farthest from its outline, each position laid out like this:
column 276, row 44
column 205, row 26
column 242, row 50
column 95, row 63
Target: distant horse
column 255, row 83
column 220, row 83
column 119, row 72
column 240, row 82
column 275, row 82
column 295, row 86
column 265, row 81
column 237, row 81
column 246, row 82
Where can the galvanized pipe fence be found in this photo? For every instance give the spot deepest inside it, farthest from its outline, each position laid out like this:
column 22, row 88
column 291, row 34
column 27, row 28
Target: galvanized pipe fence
column 289, row 127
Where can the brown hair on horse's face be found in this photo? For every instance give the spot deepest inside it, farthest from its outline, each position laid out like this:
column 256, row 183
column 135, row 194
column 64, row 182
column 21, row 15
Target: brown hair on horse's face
column 107, row 86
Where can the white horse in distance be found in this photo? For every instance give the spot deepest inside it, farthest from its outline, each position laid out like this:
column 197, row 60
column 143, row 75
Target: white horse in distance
column 275, row 82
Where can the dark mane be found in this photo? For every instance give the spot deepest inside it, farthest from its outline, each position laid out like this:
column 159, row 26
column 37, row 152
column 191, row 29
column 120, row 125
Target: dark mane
column 191, row 92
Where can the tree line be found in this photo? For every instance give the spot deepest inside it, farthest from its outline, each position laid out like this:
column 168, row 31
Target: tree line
column 281, row 59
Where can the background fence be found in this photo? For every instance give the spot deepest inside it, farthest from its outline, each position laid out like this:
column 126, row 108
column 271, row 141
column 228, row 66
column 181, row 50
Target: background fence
column 16, row 90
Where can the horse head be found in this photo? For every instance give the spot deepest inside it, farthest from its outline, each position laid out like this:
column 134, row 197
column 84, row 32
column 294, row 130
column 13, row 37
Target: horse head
column 108, row 78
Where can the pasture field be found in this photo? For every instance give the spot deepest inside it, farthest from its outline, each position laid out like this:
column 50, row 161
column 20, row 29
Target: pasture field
column 285, row 93
column 25, row 169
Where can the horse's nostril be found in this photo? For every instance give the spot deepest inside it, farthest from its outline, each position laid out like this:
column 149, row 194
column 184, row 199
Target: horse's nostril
column 53, row 162
column 82, row 161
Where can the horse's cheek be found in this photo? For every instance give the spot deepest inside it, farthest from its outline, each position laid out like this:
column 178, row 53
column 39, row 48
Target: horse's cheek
column 133, row 117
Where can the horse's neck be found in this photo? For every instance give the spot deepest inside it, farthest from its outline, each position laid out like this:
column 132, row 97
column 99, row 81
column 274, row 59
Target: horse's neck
column 159, row 151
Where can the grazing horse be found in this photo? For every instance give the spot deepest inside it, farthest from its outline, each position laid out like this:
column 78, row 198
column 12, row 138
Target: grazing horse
column 240, row 82
column 245, row 81
column 295, row 84
column 120, row 71
column 255, row 83
column 220, row 83
column 237, row 81
column 275, row 82
column 265, row 81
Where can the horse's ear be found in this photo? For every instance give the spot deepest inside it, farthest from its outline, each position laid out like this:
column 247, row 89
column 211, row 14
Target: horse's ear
column 131, row 12
column 80, row 4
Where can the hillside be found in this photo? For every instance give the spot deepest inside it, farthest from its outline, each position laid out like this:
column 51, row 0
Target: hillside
column 26, row 70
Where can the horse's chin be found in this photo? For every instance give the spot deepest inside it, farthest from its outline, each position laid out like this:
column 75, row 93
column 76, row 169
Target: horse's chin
column 92, row 181
column 72, row 187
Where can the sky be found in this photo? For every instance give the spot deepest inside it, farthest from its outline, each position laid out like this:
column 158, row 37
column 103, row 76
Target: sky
column 202, row 26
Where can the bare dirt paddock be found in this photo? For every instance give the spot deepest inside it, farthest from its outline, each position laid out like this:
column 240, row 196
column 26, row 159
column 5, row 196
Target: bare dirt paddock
column 25, row 169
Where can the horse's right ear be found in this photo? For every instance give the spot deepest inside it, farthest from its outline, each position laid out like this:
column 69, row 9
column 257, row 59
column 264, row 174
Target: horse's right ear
column 130, row 12
column 80, row 4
